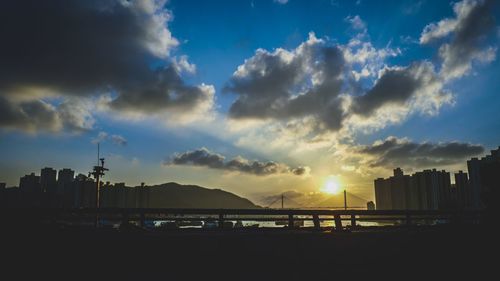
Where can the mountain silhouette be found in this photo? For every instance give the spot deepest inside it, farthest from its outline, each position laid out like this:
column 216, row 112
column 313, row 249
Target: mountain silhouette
column 174, row 195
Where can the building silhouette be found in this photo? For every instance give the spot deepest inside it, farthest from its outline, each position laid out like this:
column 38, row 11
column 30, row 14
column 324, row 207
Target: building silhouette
column 63, row 189
column 464, row 196
column 84, row 192
column 65, row 192
column 48, row 184
column 30, row 191
column 484, row 178
column 393, row 192
column 425, row 190
column 432, row 189
column 65, row 176
column 48, row 180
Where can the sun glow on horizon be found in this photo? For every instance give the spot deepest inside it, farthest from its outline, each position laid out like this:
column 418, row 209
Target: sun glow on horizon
column 331, row 185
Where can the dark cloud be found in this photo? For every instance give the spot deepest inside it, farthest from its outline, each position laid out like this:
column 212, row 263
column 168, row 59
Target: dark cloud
column 299, row 171
column 200, row 157
column 28, row 115
column 118, row 140
column 167, row 91
column 396, row 86
column 34, row 115
column 272, row 85
column 316, row 81
column 394, row 152
column 323, row 82
column 472, row 23
column 205, row 158
column 85, row 48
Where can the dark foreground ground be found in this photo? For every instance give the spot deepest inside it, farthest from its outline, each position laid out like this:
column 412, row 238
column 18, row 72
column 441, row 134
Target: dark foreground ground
column 423, row 253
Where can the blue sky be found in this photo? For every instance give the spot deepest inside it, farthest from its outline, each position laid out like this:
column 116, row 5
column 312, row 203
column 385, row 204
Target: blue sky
column 218, row 37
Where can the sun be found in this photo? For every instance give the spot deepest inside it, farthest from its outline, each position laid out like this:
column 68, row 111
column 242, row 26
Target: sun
column 331, row 185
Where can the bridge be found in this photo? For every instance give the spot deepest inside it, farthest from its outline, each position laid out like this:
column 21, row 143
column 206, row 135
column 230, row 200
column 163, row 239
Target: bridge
column 223, row 218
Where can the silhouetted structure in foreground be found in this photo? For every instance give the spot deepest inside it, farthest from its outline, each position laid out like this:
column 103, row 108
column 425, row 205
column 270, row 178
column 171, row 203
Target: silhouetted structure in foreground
column 432, row 189
column 68, row 191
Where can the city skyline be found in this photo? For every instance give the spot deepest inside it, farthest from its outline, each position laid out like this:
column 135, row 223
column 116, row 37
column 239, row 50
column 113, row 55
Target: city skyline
column 274, row 97
column 429, row 189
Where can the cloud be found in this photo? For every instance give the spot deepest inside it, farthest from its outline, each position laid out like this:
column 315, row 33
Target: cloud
column 101, row 137
column 118, row 140
column 205, row 158
column 399, row 85
column 356, row 22
column 324, row 85
column 393, row 152
column 88, row 48
column 29, row 115
column 115, row 139
column 339, row 89
column 183, row 65
column 76, row 114
column 468, row 30
column 282, row 2
column 33, row 115
column 273, row 85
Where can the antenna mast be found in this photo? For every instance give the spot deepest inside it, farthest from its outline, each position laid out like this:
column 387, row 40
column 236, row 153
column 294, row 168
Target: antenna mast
column 98, row 172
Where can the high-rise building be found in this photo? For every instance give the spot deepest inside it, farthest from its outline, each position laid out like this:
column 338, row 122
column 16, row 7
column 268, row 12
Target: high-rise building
column 84, row 190
column 65, row 191
column 48, row 181
column 400, row 185
column 426, row 190
column 464, row 196
column 484, row 178
column 30, row 191
column 434, row 188
column 29, row 183
column 65, row 176
column 383, row 197
column 392, row 193
column 419, row 190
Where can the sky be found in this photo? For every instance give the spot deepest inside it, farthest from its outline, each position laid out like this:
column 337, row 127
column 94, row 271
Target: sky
column 256, row 97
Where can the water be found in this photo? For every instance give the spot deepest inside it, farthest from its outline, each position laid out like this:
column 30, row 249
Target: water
column 272, row 224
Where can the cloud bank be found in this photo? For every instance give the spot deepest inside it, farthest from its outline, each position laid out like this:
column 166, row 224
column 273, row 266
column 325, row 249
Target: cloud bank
column 393, row 152
column 323, row 82
column 205, row 158
column 82, row 49
column 324, row 91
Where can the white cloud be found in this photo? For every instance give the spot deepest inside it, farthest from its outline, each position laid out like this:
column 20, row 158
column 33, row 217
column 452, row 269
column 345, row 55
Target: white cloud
column 473, row 21
column 183, row 65
column 104, row 136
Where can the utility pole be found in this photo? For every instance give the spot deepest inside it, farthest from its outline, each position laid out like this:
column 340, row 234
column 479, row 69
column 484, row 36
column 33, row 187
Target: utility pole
column 282, row 199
